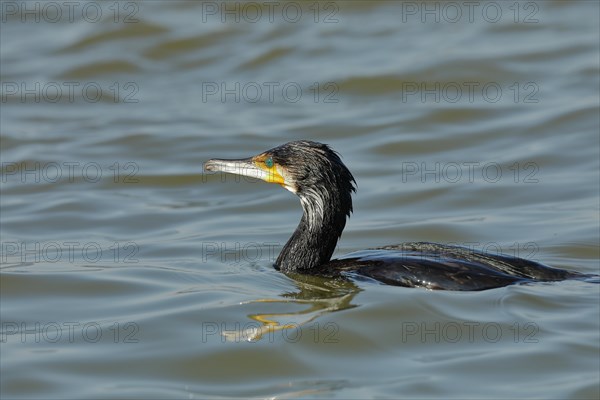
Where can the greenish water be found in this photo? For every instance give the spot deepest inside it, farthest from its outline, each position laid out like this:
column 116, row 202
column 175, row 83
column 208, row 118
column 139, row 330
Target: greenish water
column 127, row 273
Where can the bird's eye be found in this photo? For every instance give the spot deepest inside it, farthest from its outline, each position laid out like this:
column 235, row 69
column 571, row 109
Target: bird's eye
column 269, row 162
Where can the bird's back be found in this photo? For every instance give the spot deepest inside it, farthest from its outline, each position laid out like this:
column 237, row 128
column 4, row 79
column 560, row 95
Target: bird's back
column 437, row 266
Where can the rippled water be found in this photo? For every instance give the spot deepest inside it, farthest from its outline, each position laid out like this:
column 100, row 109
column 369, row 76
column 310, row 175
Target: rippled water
column 127, row 273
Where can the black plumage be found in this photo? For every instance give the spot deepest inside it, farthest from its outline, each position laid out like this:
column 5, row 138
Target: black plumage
column 316, row 174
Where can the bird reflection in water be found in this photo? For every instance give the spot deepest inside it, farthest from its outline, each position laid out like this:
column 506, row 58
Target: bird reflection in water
column 317, row 296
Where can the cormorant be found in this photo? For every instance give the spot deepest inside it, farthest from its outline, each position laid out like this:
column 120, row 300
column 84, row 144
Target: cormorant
column 316, row 174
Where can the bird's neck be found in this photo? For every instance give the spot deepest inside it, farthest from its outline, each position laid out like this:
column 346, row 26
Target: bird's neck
column 316, row 236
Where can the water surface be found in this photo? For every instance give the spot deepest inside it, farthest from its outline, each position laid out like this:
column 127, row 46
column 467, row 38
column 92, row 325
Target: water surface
column 127, row 273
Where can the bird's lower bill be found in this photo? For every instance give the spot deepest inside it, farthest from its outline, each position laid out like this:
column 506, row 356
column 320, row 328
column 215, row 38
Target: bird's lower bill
column 246, row 167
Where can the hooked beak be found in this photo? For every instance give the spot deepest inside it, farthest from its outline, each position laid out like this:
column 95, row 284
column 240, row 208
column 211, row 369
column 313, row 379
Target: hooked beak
column 244, row 167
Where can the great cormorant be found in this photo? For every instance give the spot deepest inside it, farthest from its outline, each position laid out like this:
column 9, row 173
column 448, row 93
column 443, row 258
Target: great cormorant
column 316, row 174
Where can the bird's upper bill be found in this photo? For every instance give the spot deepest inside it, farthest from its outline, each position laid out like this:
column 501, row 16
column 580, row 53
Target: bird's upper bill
column 261, row 167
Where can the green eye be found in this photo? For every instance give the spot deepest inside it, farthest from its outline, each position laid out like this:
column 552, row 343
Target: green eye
column 269, row 162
